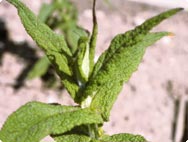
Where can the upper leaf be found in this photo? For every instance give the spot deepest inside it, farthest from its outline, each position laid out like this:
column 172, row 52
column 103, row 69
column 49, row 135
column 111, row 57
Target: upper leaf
column 54, row 45
column 124, row 138
column 117, row 64
column 72, row 138
column 105, row 138
column 108, row 83
column 34, row 121
column 131, row 37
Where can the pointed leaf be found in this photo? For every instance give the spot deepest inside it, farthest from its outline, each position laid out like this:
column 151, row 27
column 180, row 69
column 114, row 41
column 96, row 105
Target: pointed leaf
column 132, row 37
column 54, row 45
column 124, row 138
column 77, row 138
column 72, row 138
column 113, row 138
column 107, row 84
column 34, row 121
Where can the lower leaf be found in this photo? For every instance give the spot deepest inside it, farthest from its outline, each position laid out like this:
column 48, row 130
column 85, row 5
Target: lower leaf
column 35, row 120
column 124, row 138
column 106, row 138
column 72, row 138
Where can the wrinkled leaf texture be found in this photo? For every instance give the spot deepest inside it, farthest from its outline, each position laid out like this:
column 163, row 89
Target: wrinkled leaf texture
column 106, row 138
column 119, row 61
column 53, row 44
column 34, row 121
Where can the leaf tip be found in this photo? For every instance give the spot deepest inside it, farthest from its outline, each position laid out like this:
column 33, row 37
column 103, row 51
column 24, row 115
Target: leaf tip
column 170, row 34
column 181, row 8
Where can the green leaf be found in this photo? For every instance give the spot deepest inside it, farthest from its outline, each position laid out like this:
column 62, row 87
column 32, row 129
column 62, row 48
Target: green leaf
column 54, row 45
column 124, row 138
column 116, row 65
column 131, row 37
column 33, row 121
column 72, row 138
column 105, row 138
column 107, row 84
column 76, row 138
column 40, row 68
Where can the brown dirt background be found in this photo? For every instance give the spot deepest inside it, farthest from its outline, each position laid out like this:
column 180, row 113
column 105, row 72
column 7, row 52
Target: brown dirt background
column 146, row 103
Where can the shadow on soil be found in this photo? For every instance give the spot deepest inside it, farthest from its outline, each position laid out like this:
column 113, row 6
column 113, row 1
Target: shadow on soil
column 23, row 51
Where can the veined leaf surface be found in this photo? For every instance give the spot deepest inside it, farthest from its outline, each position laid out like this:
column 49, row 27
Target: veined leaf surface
column 124, row 138
column 107, row 84
column 105, row 138
column 72, row 138
column 131, row 37
column 116, row 64
column 33, row 121
column 54, row 45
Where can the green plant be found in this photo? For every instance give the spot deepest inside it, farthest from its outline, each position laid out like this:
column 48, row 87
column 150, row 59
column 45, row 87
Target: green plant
column 94, row 87
column 59, row 15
